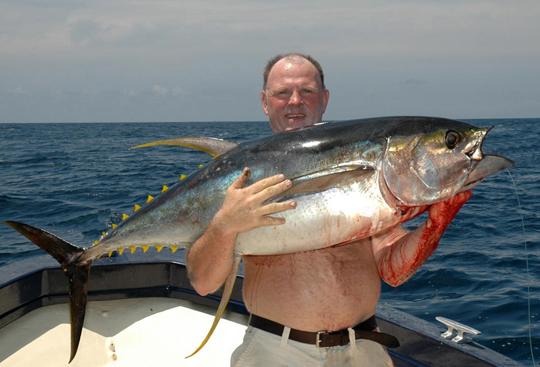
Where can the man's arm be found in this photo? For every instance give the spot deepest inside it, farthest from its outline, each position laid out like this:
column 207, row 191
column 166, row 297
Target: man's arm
column 400, row 253
column 210, row 259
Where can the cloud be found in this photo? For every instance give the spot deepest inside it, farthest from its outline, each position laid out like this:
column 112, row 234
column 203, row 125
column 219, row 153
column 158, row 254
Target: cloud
column 160, row 90
column 18, row 90
column 198, row 59
column 347, row 28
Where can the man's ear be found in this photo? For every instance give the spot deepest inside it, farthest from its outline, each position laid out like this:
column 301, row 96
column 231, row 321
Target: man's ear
column 326, row 97
column 264, row 102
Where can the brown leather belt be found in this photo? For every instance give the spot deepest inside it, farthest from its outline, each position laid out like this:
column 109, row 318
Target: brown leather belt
column 323, row 339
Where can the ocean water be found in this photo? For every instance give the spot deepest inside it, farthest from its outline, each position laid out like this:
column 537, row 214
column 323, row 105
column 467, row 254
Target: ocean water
column 75, row 179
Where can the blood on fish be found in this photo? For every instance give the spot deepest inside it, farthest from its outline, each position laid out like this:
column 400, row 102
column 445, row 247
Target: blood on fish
column 263, row 261
column 399, row 264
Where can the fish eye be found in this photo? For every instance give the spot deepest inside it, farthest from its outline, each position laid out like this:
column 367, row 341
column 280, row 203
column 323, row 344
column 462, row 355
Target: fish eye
column 451, row 139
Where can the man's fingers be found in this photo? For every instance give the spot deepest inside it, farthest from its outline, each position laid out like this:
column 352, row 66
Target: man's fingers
column 274, row 208
column 266, row 183
column 273, row 190
column 270, row 186
column 242, row 179
column 245, row 208
column 271, row 221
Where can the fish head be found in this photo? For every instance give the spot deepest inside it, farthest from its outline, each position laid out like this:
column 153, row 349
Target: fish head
column 429, row 167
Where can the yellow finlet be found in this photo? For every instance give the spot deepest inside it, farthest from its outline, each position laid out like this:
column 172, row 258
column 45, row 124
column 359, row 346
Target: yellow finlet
column 150, row 198
column 158, row 248
column 165, row 188
column 173, row 249
column 182, row 177
column 132, row 248
column 110, row 253
column 200, row 166
column 125, row 216
column 114, row 226
column 137, row 207
column 120, row 251
column 103, row 234
column 145, row 247
column 96, row 242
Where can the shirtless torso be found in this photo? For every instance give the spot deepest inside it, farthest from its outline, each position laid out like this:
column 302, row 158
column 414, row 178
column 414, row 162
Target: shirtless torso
column 329, row 289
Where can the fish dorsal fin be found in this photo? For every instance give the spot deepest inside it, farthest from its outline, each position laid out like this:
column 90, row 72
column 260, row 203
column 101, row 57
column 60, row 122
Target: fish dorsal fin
column 227, row 291
column 212, row 146
column 324, row 180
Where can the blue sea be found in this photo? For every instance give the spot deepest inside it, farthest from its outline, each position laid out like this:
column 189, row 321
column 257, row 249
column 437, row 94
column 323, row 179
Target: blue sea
column 76, row 179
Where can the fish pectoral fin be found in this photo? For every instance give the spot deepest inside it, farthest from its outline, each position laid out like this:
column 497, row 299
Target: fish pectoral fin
column 213, row 146
column 227, row 291
column 322, row 181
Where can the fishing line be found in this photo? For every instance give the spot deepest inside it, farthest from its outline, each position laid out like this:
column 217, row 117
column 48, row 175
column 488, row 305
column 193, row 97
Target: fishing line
column 526, row 265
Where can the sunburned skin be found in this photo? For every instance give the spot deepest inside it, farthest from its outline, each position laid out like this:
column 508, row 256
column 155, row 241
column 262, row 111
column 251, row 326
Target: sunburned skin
column 338, row 287
column 314, row 290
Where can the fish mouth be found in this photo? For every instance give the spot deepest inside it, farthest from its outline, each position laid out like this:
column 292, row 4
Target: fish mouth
column 489, row 165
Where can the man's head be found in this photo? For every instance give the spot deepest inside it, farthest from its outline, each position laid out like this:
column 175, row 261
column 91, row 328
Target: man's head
column 293, row 94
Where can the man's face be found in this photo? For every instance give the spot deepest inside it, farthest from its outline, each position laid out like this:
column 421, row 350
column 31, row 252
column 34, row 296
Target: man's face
column 294, row 97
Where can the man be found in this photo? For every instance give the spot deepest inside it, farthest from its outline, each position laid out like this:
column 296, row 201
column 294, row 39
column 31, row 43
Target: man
column 295, row 296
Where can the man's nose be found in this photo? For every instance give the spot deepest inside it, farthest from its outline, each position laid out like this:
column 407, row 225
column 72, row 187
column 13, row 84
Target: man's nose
column 296, row 98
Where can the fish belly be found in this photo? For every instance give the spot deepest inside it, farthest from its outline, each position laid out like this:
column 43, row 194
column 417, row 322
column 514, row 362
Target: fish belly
column 324, row 219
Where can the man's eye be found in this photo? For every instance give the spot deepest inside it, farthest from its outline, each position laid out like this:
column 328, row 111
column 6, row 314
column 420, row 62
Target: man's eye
column 306, row 91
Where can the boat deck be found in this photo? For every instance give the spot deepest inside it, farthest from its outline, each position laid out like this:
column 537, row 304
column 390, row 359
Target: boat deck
column 128, row 332
column 143, row 311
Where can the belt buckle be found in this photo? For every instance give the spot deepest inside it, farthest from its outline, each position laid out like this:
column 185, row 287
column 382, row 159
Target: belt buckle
column 318, row 339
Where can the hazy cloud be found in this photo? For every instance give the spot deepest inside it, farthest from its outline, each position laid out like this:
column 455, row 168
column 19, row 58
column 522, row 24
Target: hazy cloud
column 160, row 90
column 202, row 60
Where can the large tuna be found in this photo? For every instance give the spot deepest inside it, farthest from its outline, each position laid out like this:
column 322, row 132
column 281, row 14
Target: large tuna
column 351, row 180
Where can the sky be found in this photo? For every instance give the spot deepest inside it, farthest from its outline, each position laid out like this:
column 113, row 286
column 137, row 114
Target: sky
column 183, row 60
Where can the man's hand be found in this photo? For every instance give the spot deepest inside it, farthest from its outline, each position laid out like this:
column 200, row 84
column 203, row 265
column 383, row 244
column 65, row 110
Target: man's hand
column 244, row 209
column 210, row 258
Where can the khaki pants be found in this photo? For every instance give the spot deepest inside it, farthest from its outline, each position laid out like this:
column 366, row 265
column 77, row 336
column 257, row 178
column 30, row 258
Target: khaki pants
column 265, row 349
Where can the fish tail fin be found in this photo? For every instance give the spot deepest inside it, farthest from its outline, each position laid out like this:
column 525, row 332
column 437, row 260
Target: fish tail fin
column 77, row 271
column 227, row 291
